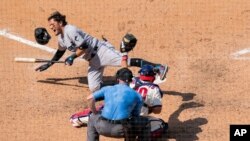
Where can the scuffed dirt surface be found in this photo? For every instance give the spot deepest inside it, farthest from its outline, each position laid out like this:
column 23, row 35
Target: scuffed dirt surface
column 206, row 89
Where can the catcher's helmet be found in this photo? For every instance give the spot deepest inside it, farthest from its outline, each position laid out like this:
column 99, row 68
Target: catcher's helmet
column 42, row 36
column 147, row 73
column 124, row 74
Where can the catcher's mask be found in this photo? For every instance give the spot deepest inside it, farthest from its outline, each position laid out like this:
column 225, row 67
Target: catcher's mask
column 125, row 75
column 147, row 73
column 42, row 36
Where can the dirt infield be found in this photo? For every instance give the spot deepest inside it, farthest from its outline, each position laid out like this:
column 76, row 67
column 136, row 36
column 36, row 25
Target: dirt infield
column 206, row 89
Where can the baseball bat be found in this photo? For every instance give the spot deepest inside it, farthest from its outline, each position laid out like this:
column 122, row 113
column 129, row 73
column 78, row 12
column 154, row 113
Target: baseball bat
column 34, row 60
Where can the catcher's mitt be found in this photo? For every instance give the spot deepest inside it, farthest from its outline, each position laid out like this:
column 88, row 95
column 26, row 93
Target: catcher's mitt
column 128, row 43
column 42, row 36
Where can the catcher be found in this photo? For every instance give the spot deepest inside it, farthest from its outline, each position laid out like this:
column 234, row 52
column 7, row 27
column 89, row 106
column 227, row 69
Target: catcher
column 150, row 92
column 98, row 53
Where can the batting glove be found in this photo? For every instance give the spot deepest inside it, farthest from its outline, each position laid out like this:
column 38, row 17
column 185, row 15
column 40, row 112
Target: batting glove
column 44, row 67
column 69, row 61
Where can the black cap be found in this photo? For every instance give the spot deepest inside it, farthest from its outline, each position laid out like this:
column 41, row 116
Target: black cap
column 124, row 74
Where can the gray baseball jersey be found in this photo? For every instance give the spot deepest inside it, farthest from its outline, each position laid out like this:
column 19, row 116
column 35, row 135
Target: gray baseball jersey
column 73, row 37
column 104, row 53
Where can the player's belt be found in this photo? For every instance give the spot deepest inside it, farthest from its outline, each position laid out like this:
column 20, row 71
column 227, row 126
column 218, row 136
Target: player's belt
column 114, row 121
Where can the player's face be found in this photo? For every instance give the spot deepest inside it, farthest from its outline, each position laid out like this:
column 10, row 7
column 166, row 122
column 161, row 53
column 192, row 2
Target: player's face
column 55, row 26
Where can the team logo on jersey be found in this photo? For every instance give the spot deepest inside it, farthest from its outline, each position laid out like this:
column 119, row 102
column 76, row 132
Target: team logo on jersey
column 72, row 47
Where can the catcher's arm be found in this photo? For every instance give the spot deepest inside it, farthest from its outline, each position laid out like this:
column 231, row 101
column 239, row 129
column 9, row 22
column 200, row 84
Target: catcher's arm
column 155, row 110
column 155, row 101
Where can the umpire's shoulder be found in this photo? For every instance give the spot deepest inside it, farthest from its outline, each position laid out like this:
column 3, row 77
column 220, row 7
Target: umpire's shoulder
column 107, row 87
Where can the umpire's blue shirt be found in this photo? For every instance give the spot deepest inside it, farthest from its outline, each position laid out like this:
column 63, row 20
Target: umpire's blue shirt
column 120, row 101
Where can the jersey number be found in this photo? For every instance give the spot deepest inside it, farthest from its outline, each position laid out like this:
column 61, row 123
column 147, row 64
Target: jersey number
column 143, row 91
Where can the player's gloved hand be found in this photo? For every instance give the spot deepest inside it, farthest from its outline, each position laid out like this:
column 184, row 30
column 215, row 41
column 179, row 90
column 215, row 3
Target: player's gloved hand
column 44, row 67
column 69, row 60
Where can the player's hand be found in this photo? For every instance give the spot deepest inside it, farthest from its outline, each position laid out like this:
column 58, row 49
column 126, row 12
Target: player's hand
column 69, row 60
column 44, row 67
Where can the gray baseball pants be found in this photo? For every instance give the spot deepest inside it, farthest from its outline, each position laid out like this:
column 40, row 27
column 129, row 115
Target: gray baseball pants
column 97, row 127
column 106, row 56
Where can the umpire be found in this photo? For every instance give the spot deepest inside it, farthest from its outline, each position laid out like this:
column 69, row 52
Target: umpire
column 120, row 116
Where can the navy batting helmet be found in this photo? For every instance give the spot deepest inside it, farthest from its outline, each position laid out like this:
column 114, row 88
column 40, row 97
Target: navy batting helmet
column 124, row 74
column 42, row 36
column 147, row 73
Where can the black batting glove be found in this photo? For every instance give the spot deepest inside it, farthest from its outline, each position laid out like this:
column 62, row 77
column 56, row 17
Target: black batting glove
column 69, row 61
column 44, row 67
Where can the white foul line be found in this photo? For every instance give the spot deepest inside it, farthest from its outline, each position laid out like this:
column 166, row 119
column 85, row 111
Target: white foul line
column 237, row 54
column 5, row 33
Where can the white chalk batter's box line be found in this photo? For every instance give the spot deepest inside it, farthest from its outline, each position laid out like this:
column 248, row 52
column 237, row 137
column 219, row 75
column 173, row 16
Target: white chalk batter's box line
column 237, row 55
column 7, row 34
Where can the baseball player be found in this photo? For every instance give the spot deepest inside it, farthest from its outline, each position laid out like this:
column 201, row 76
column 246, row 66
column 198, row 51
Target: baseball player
column 98, row 53
column 150, row 92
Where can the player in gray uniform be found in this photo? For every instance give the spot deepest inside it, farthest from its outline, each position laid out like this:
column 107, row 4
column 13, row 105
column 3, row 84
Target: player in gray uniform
column 99, row 53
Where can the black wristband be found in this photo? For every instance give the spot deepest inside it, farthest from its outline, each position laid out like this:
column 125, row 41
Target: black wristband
column 58, row 55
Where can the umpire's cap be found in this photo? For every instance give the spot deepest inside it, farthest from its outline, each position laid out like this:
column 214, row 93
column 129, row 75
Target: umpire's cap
column 124, row 74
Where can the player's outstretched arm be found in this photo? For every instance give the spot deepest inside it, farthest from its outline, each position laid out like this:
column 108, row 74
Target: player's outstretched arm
column 59, row 53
